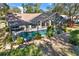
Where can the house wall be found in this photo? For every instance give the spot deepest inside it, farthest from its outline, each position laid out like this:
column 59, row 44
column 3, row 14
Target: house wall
column 40, row 25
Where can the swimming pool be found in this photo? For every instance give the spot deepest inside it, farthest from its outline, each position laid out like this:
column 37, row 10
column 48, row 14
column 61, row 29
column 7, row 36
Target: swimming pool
column 29, row 35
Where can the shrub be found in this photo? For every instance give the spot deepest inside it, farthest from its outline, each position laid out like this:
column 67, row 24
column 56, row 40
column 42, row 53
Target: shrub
column 37, row 36
column 9, row 39
column 74, row 37
column 19, row 40
column 30, row 50
column 7, row 29
column 50, row 31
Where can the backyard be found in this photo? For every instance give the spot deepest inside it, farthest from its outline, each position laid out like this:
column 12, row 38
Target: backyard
column 47, row 33
column 55, row 45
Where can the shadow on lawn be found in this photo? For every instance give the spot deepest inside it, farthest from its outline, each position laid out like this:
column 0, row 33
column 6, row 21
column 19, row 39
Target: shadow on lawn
column 50, row 51
column 63, row 47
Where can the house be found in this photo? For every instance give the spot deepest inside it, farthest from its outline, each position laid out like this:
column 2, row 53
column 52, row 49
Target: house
column 27, row 22
column 38, row 19
column 34, row 20
column 76, row 19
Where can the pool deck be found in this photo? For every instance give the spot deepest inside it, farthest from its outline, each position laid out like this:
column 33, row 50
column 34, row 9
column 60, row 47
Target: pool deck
column 29, row 30
column 35, row 29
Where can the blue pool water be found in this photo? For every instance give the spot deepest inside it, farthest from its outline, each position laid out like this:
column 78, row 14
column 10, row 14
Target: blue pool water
column 29, row 35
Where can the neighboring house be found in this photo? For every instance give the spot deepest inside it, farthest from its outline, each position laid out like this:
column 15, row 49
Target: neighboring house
column 76, row 19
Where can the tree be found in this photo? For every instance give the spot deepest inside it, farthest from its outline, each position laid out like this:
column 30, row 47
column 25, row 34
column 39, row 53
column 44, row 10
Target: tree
column 50, row 7
column 37, row 8
column 32, row 8
column 4, row 10
column 29, row 9
column 15, row 10
column 23, row 5
column 69, row 9
column 58, row 8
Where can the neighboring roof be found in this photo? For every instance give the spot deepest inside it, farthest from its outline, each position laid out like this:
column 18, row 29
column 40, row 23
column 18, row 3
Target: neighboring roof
column 28, row 16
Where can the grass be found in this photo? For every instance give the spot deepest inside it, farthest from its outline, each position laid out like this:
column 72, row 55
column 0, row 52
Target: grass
column 74, row 37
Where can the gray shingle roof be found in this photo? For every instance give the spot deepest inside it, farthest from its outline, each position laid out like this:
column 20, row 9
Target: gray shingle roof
column 55, row 17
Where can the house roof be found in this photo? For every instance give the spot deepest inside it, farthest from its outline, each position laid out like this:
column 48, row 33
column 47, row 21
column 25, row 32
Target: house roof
column 34, row 17
column 41, row 17
column 28, row 16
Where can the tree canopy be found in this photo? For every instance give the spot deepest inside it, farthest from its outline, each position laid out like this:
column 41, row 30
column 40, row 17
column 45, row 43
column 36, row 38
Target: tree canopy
column 4, row 10
column 69, row 9
column 15, row 10
column 32, row 8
